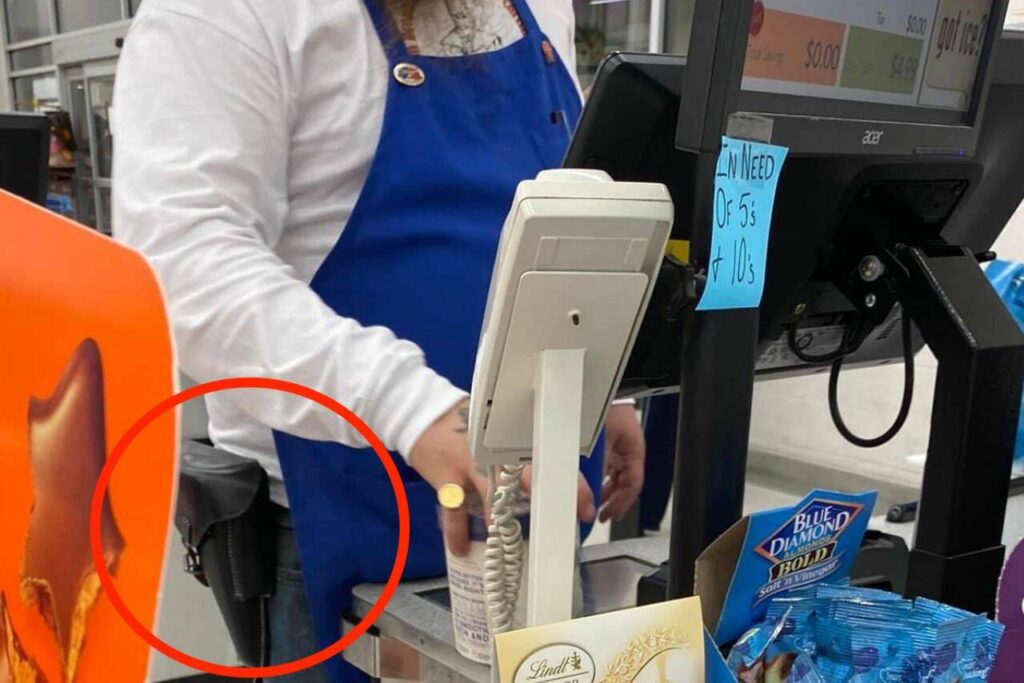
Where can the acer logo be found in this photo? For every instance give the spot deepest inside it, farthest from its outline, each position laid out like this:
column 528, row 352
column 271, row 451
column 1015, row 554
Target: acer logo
column 872, row 137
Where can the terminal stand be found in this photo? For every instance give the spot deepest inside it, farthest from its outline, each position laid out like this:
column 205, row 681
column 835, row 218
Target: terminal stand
column 717, row 387
column 719, row 352
column 558, row 410
column 958, row 553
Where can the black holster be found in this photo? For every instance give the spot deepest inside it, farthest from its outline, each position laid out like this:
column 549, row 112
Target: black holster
column 223, row 515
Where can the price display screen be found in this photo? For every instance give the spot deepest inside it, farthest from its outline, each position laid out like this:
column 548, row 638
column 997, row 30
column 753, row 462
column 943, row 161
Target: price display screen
column 921, row 53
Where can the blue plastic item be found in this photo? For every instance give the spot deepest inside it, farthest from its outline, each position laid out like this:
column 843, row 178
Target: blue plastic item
column 1007, row 278
column 839, row 634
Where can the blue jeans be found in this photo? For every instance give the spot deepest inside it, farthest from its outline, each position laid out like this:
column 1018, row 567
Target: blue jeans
column 291, row 628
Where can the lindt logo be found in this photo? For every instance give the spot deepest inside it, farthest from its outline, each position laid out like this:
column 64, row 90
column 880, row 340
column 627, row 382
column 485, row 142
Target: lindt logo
column 563, row 662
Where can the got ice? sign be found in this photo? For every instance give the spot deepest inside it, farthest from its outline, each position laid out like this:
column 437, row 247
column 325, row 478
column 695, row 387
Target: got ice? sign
column 746, row 177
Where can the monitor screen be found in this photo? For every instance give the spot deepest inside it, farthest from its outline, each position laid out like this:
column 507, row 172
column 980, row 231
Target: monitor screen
column 911, row 53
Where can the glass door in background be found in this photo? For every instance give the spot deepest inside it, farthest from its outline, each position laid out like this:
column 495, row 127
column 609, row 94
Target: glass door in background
column 82, row 192
column 678, row 22
column 89, row 91
column 101, row 97
column 604, row 26
column 35, row 91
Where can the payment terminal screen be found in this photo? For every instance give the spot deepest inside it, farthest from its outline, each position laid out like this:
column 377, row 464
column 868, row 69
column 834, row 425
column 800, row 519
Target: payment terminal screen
column 913, row 53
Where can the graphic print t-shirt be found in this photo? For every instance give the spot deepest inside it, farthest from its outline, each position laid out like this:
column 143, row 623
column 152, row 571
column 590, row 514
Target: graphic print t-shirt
column 456, row 28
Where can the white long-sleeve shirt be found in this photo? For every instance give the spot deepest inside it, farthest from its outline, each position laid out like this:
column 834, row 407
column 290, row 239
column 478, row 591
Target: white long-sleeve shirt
column 244, row 133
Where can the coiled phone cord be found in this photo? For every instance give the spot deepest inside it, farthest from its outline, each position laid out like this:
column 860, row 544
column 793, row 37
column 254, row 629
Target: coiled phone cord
column 503, row 558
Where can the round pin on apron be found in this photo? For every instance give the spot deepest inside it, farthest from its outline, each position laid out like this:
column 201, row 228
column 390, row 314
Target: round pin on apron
column 409, row 74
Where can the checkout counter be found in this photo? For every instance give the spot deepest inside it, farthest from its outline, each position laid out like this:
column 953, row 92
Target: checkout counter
column 413, row 639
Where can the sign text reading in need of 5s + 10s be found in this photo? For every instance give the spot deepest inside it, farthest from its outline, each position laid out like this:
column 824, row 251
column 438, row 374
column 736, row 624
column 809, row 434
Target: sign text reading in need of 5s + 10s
column 746, row 178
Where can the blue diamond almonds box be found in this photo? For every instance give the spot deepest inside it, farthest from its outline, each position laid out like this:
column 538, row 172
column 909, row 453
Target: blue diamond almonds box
column 768, row 553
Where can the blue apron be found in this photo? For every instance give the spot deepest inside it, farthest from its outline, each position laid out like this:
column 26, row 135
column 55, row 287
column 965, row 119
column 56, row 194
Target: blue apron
column 416, row 257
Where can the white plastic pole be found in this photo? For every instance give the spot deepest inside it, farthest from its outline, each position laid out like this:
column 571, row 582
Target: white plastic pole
column 558, row 405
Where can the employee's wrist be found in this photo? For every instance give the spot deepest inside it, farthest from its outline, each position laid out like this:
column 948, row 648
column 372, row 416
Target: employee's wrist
column 453, row 421
column 430, row 398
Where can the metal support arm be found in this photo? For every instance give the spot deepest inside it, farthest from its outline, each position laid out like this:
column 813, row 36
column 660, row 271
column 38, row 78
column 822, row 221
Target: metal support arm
column 958, row 552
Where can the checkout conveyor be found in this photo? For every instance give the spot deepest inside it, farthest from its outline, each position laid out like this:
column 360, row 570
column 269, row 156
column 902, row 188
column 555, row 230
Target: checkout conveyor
column 413, row 637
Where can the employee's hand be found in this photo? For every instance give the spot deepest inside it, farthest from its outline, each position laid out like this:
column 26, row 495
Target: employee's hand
column 585, row 509
column 441, row 456
column 624, row 454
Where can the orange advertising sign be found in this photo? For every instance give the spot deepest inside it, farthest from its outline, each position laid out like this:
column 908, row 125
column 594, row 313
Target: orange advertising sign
column 792, row 47
column 86, row 350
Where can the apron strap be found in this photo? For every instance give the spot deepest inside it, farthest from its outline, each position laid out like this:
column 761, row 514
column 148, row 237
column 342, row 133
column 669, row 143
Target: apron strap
column 389, row 34
column 530, row 26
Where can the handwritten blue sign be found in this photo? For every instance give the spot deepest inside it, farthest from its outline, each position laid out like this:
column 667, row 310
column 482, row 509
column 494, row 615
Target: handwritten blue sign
column 745, row 181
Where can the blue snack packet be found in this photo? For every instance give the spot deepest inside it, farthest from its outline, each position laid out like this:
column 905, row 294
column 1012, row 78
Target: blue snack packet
column 791, row 667
column 841, row 634
column 940, row 613
column 856, row 649
column 804, row 670
column 847, row 592
column 879, row 652
column 874, row 613
column 833, row 669
column 794, row 613
column 764, row 654
column 978, row 651
column 798, row 632
column 957, row 651
column 748, row 652
column 933, row 658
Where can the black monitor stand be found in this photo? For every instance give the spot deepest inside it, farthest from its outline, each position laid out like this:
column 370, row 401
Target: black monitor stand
column 958, row 552
column 716, row 390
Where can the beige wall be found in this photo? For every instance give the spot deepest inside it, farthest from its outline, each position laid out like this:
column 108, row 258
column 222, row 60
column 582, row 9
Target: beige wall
column 1015, row 14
